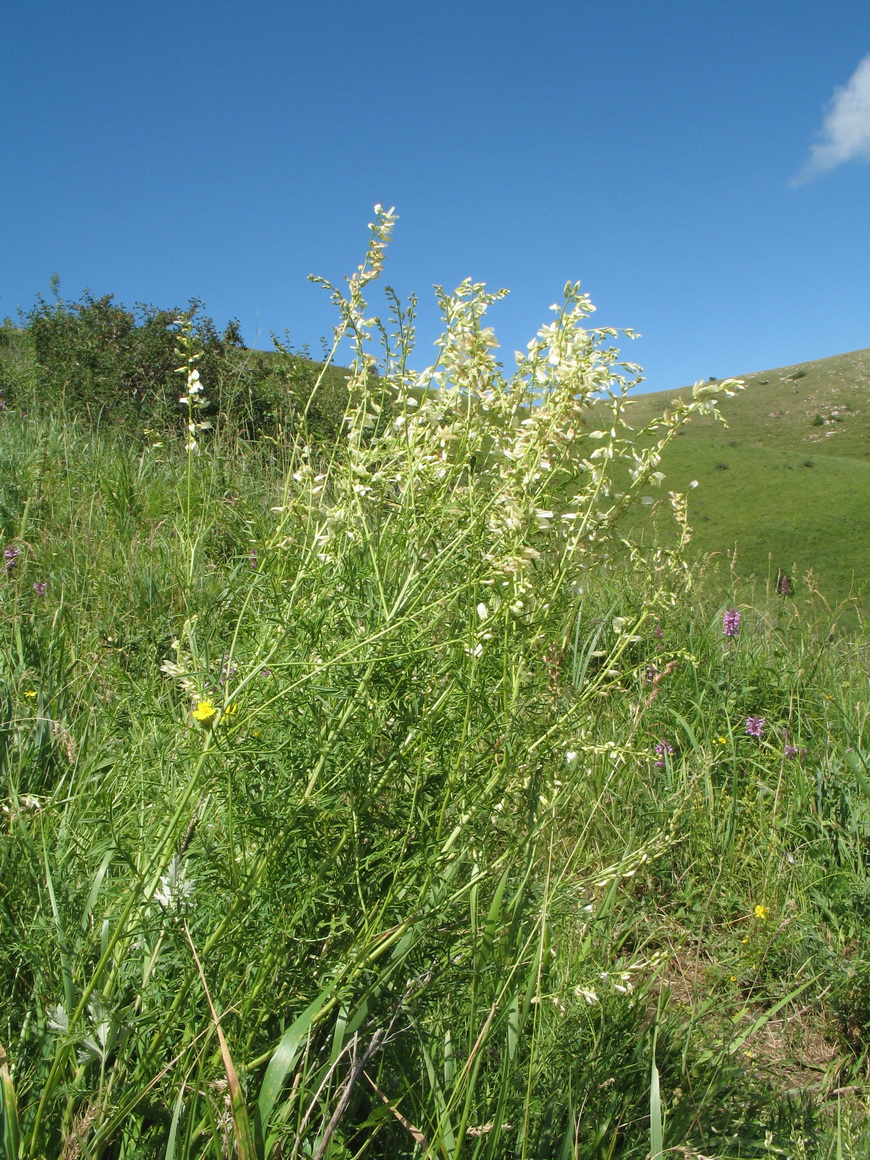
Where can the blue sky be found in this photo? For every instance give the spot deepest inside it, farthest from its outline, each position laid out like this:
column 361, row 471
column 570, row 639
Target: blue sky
column 702, row 168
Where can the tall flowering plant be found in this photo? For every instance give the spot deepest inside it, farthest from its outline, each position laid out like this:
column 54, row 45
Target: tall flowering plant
column 193, row 400
column 401, row 644
column 531, row 471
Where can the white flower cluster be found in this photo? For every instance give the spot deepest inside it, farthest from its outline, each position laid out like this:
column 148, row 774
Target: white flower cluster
column 102, row 1035
column 175, row 886
column 181, row 669
column 193, row 400
column 524, row 468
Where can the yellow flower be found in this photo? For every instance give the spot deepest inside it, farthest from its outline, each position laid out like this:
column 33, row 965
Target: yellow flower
column 29, row 693
column 761, row 911
column 205, row 712
column 722, row 740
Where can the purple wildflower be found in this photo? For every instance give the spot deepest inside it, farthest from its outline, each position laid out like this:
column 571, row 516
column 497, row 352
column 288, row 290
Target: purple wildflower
column 658, row 632
column 663, row 749
column 731, row 622
column 754, row 726
column 10, row 556
column 39, row 588
column 252, row 557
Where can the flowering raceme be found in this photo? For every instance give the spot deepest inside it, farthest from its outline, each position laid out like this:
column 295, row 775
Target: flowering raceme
column 790, row 751
column 193, row 400
column 731, row 622
column 517, row 449
column 754, row 726
column 663, row 749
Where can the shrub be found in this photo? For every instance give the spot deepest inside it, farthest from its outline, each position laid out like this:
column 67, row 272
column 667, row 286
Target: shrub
column 97, row 359
column 111, row 363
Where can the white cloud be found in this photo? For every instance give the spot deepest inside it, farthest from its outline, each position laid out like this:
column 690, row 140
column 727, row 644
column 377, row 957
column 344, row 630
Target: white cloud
column 846, row 130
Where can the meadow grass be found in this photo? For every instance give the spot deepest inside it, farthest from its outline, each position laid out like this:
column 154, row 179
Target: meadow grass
column 785, row 485
column 386, row 798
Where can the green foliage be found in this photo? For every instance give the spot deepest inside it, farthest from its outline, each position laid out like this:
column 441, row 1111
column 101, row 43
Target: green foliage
column 15, row 364
column 108, row 364
column 106, row 360
column 333, row 819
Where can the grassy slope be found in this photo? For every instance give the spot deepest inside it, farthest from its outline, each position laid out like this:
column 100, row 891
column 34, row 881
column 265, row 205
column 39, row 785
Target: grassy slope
column 783, row 488
column 786, row 486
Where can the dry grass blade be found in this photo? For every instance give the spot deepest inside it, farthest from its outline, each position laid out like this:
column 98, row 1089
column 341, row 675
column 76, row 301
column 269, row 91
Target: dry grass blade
column 244, row 1136
column 9, row 1104
column 417, row 1135
column 347, row 1092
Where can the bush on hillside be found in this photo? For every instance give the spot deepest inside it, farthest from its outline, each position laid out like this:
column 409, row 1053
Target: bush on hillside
column 97, row 356
column 104, row 362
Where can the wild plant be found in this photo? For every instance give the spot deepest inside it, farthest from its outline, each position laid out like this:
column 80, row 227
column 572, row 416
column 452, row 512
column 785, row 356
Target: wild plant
column 362, row 877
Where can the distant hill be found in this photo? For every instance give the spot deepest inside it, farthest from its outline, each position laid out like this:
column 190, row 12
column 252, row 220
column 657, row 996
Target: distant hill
column 787, row 483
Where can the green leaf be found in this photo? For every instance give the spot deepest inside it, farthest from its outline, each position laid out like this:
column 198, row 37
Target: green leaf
column 656, row 1127
column 284, row 1058
column 9, row 1105
column 173, row 1127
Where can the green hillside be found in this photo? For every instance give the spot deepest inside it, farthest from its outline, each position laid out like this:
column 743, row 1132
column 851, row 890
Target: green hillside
column 783, row 488
column 787, row 483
